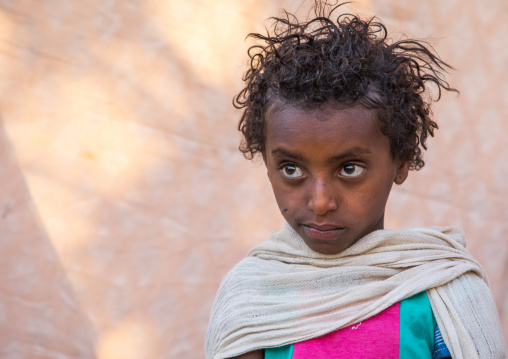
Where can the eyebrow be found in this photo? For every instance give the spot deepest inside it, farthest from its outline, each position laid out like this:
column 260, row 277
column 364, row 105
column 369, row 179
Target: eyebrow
column 279, row 152
column 353, row 152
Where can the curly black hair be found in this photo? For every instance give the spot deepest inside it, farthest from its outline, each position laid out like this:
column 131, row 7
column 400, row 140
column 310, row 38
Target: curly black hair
column 349, row 61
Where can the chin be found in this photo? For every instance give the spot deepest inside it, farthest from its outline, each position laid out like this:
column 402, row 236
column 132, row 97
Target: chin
column 326, row 248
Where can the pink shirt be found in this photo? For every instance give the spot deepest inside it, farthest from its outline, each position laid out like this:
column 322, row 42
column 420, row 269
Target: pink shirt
column 376, row 337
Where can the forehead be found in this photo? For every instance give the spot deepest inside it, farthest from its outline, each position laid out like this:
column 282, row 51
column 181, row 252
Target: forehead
column 323, row 127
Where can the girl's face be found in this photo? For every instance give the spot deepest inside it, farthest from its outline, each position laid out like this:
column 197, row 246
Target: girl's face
column 331, row 173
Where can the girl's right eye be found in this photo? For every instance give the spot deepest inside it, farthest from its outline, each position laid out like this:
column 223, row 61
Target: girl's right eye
column 291, row 171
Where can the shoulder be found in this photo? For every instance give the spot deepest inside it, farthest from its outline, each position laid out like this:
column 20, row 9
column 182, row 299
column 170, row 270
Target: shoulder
column 470, row 288
column 247, row 268
column 469, row 299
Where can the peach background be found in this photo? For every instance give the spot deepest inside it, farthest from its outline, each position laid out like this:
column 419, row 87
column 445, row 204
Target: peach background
column 124, row 200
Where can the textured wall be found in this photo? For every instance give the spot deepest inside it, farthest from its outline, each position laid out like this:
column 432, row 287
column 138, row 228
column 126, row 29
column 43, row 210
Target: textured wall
column 124, row 200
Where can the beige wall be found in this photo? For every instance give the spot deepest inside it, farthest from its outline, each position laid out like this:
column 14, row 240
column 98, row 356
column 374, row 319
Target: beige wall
column 124, row 200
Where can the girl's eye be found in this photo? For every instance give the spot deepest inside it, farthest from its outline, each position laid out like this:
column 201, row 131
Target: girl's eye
column 351, row 170
column 291, row 171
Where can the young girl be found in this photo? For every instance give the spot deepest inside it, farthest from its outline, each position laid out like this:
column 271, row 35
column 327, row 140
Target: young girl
column 339, row 113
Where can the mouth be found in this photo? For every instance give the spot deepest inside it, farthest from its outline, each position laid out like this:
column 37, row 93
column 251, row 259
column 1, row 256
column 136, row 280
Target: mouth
column 322, row 231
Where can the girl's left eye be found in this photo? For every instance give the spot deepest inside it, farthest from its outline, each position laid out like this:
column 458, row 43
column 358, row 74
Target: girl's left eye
column 351, row 170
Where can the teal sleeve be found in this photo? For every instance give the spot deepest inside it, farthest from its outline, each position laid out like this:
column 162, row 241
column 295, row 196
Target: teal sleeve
column 417, row 325
column 284, row 352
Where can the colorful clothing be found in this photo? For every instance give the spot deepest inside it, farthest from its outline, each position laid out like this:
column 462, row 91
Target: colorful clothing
column 440, row 349
column 284, row 292
column 404, row 330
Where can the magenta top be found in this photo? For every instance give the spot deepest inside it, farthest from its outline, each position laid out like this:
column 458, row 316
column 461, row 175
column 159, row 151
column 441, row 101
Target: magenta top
column 407, row 329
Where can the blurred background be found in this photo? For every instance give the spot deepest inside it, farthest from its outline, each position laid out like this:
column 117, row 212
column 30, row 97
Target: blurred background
column 124, row 199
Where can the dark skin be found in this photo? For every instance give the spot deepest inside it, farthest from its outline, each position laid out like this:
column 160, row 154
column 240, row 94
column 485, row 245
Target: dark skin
column 257, row 354
column 331, row 171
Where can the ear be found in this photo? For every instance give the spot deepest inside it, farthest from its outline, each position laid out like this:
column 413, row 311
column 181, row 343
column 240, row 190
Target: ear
column 402, row 173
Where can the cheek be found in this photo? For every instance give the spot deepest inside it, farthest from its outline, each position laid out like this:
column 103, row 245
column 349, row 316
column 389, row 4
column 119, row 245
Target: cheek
column 375, row 200
column 369, row 199
column 283, row 198
column 289, row 207
column 288, row 199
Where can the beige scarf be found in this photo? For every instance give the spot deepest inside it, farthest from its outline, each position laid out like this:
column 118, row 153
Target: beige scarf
column 284, row 292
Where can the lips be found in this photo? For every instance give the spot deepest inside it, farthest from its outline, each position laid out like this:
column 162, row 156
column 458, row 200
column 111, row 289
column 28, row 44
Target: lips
column 323, row 231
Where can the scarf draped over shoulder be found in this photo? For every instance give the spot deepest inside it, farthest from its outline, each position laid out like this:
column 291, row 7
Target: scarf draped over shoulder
column 284, row 292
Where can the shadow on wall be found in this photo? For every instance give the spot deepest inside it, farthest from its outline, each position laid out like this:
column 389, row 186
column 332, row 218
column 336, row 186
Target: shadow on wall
column 39, row 313
column 120, row 115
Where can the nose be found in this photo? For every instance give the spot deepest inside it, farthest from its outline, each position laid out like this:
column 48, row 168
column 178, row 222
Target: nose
column 322, row 198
